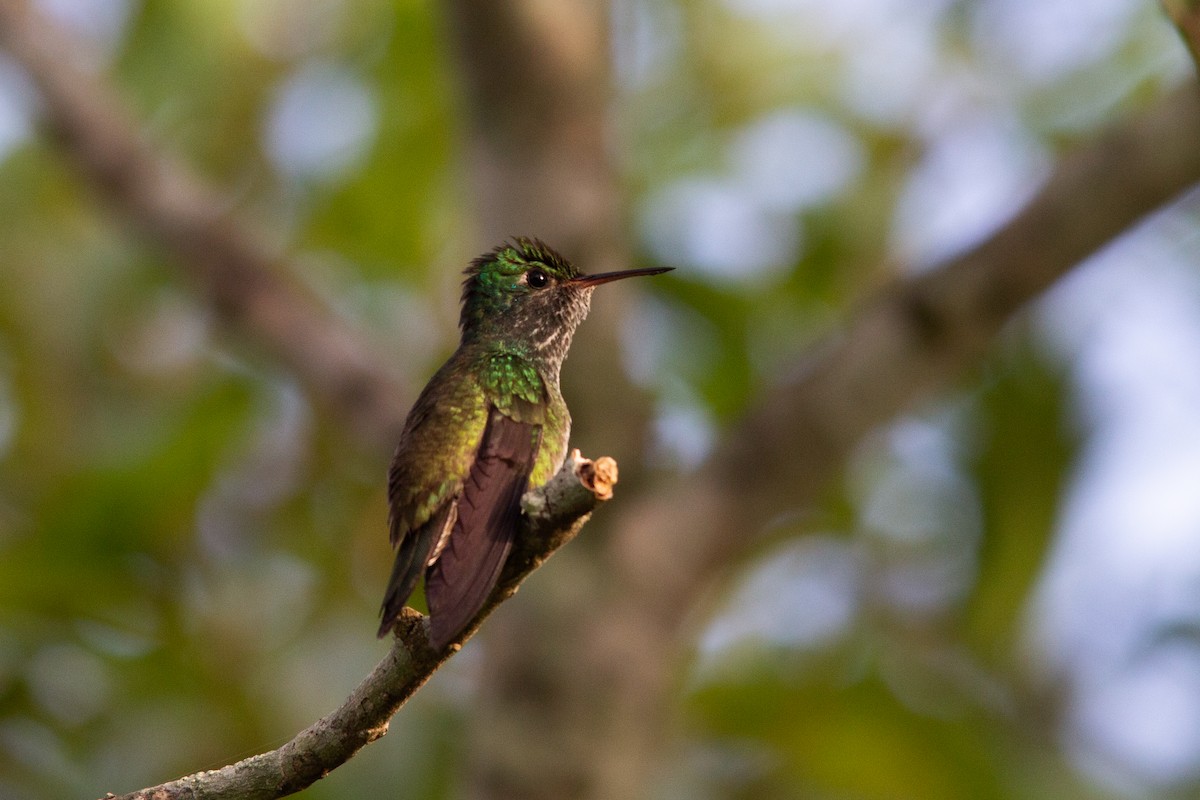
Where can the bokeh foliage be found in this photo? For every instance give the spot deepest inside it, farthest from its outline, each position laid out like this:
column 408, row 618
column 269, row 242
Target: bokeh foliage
column 191, row 553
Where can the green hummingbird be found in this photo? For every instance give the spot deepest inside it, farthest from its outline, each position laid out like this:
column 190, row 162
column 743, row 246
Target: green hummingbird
column 489, row 424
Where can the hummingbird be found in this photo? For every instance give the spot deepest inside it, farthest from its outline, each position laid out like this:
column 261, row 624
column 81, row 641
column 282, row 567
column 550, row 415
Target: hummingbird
column 490, row 424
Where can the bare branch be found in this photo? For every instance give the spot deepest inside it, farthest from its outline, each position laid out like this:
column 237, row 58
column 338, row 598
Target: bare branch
column 911, row 340
column 554, row 514
column 230, row 262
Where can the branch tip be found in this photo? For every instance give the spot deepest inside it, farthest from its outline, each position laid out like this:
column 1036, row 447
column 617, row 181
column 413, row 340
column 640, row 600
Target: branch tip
column 598, row 476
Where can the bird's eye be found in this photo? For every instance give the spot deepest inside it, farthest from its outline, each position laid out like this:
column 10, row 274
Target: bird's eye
column 536, row 278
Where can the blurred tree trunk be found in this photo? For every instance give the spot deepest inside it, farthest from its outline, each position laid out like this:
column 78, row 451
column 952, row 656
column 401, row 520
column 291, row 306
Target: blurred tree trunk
column 576, row 684
column 538, row 88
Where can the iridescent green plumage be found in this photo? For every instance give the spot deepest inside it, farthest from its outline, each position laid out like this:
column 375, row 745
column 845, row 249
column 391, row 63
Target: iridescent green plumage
column 490, row 423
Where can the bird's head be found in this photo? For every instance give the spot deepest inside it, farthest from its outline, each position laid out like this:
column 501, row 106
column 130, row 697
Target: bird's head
column 526, row 294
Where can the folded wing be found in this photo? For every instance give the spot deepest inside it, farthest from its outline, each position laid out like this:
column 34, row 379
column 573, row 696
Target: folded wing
column 488, row 512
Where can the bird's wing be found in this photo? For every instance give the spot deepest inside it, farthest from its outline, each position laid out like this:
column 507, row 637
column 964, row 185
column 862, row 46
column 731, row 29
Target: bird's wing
column 488, row 512
column 435, row 451
column 435, row 454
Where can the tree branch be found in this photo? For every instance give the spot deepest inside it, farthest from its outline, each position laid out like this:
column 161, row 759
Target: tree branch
column 913, row 338
column 554, row 514
column 245, row 280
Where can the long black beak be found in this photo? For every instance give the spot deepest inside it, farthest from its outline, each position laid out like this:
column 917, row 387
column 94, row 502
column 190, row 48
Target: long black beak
column 605, row 277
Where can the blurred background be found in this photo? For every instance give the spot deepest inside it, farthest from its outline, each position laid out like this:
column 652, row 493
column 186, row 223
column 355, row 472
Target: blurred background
column 997, row 596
